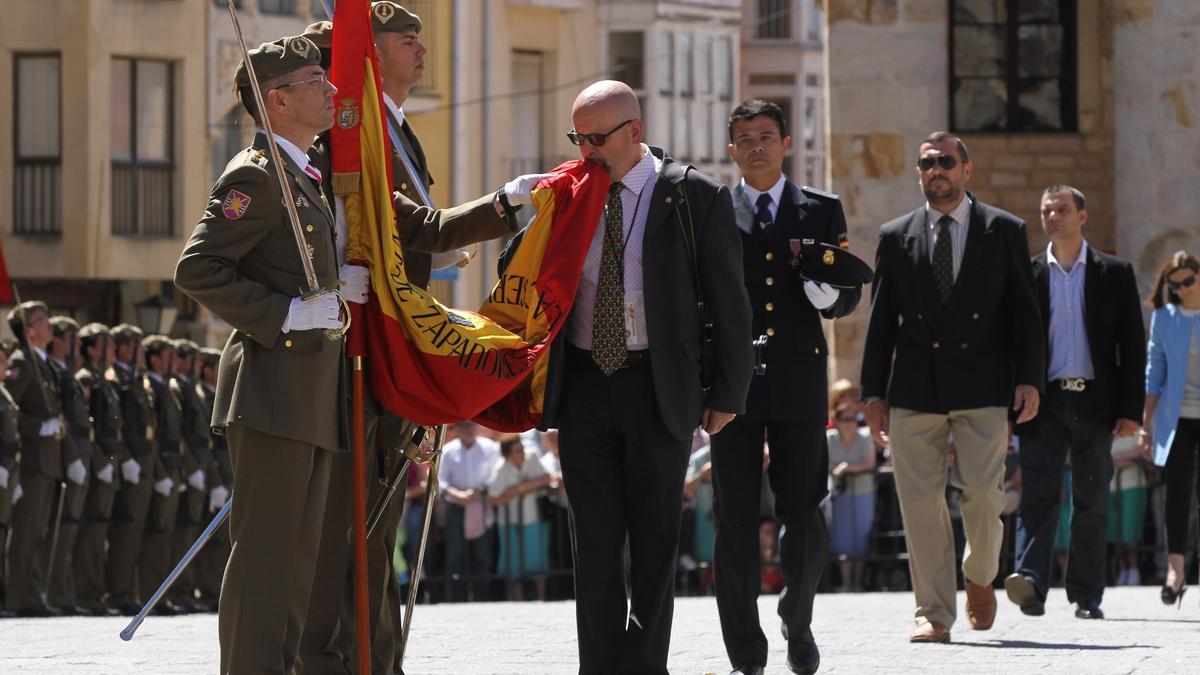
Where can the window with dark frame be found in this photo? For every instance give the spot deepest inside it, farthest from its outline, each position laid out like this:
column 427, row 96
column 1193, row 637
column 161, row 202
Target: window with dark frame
column 1013, row 65
column 142, row 150
column 774, row 19
column 37, row 145
column 287, row 7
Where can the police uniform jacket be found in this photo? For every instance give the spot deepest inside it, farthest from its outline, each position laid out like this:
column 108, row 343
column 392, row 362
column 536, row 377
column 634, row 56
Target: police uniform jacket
column 242, row 264
column 794, row 386
column 42, row 454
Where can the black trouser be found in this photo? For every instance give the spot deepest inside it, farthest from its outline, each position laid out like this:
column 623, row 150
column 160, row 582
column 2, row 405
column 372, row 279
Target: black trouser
column 1180, row 473
column 466, row 558
column 624, row 477
column 797, row 473
column 1067, row 422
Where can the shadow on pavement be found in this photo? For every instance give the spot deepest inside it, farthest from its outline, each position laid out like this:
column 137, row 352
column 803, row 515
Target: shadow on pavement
column 1070, row 646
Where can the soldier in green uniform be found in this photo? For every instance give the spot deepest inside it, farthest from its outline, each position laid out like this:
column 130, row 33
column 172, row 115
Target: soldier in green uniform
column 41, row 429
column 280, row 394
column 10, row 445
column 138, row 463
column 197, row 463
column 104, row 408
column 154, row 562
column 78, row 450
column 215, row 554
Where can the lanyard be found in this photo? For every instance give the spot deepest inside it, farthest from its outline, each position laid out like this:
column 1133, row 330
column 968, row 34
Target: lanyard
column 417, row 179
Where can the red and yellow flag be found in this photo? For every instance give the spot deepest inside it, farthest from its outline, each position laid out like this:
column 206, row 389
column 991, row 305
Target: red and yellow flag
column 429, row 363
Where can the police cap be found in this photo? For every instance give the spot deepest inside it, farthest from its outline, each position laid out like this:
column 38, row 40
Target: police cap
column 833, row 265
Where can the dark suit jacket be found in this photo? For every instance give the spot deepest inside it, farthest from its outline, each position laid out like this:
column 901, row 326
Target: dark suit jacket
column 672, row 317
column 971, row 351
column 1112, row 314
column 795, row 386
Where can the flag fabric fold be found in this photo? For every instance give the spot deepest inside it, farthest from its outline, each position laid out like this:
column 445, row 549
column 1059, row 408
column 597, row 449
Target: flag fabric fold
column 426, row 362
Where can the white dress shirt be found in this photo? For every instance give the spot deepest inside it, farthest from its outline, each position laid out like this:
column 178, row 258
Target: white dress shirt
column 958, row 229
column 775, row 192
column 635, row 205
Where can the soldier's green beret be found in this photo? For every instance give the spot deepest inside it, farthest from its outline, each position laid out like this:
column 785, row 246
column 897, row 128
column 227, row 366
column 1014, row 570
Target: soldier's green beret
column 157, row 343
column 272, row 59
column 320, row 33
column 126, row 332
column 15, row 313
column 389, row 17
column 209, row 357
column 93, row 329
column 185, row 347
column 61, row 325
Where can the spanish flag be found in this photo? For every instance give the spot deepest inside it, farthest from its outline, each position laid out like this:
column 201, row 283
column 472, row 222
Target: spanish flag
column 426, row 362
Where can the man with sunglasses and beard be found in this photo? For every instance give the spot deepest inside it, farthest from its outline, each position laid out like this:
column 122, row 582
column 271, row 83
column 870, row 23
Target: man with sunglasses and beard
column 954, row 343
column 625, row 389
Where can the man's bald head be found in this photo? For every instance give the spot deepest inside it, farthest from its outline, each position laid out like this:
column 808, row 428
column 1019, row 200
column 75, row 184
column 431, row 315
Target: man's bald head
column 609, row 109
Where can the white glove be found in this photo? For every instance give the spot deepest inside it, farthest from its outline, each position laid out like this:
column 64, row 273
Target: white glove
column 356, row 281
column 181, row 487
column 17, row 493
column 51, row 427
column 3, row 477
column 520, row 189
column 217, row 497
column 319, row 312
column 163, row 487
column 131, row 471
column 196, row 480
column 105, row 474
column 459, row 257
column 821, row 296
column 76, row 473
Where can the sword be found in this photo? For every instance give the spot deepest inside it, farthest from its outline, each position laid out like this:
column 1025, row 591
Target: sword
column 310, row 273
column 186, row 560
column 62, row 498
column 430, row 494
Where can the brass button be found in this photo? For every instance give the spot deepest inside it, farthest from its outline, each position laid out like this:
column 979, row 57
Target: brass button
column 770, row 332
column 964, row 345
column 817, row 351
column 770, row 256
column 404, row 186
column 287, row 343
column 308, row 228
column 919, row 317
column 770, row 307
column 668, row 200
column 770, row 281
column 937, row 345
column 975, row 316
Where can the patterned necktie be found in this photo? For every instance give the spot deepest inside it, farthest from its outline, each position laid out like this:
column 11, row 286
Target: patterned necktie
column 763, row 214
column 943, row 258
column 608, row 321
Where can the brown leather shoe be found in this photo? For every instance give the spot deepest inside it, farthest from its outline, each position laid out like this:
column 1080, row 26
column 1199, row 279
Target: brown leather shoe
column 930, row 632
column 981, row 606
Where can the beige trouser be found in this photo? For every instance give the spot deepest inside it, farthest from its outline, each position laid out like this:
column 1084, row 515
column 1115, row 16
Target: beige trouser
column 920, row 454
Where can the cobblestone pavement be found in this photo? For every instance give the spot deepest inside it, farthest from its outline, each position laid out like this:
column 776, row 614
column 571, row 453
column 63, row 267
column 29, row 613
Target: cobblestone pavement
column 857, row 633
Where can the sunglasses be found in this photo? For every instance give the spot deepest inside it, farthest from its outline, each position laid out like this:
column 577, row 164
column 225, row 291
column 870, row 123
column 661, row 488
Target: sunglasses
column 947, row 162
column 596, row 140
column 1186, row 283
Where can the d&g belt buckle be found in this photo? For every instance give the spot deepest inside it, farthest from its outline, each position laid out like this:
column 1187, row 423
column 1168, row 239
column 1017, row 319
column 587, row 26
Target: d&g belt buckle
column 1075, row 384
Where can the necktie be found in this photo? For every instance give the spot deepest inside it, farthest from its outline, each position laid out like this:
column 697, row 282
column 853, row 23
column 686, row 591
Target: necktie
column 943, row 258
column 608, row 320
column 763, row 214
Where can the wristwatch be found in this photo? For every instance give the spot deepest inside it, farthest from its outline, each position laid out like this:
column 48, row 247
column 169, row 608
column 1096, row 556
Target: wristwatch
column 502, row 205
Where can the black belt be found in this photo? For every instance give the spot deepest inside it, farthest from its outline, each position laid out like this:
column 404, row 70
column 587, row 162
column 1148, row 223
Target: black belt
column 1074, row 385
column 633, row 357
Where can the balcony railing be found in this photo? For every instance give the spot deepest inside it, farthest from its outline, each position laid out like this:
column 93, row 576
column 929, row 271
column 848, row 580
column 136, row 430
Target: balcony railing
column 37, row 208
column 143, row 200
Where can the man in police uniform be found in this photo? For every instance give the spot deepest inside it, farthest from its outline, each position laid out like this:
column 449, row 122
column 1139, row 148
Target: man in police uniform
column 155, row 562
column 787, row 401
column 215, row 553
column 138, row 463
column 280, row 395
column 104, row 407
column 197, row 462
column 41, row 426
column 78, row 451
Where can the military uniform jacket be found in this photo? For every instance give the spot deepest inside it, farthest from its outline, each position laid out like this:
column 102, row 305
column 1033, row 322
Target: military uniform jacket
column 242, row 264
column 197, row 438
column 221, row 470
column 168, row 420
column 10, row 440
column 135, row 415
column 104, row 404
column 794, row 387
column 42, row 454
column 78, row 440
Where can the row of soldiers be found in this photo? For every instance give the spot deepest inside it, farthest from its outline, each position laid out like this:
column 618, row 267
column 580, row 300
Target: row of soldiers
column 108, row 468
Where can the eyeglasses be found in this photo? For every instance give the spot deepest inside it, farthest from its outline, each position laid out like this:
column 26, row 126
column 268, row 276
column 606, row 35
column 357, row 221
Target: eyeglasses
column 597, row 140
column 1186, row 283
column 322, row 79
column 947, row 162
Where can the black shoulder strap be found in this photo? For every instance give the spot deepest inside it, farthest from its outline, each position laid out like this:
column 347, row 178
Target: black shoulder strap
column 690, row 240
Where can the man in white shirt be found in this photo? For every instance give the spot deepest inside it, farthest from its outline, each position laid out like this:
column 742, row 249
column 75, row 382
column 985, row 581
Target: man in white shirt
column 468, row 463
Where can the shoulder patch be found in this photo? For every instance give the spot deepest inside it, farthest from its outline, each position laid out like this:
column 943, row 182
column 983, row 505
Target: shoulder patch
column 844, row 241
column 819, row 194
column 235, row 204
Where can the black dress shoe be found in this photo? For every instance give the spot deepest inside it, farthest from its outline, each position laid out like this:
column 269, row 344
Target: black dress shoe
column 128, row 609
column 803, row 656
column 1023, row 593
column 101, row 610
column 39, row 612
column 76, row 610
column 168, row 608
column 1088, row 609
column 5, row 614
column 748, row 670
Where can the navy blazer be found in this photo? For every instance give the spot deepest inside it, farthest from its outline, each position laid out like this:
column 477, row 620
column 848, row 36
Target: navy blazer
column 969, row 352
